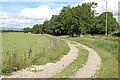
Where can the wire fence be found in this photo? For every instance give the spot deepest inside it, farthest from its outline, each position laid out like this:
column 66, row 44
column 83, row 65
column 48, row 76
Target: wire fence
column 13, row 61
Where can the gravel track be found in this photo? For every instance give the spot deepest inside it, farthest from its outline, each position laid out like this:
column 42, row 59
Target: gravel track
column 92, row 65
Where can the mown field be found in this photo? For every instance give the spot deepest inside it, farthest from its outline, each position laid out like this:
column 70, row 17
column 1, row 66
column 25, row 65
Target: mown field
column 107, row 49
column 21, row 50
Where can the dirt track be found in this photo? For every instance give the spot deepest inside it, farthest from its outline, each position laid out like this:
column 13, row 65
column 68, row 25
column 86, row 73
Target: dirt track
column 92, row 65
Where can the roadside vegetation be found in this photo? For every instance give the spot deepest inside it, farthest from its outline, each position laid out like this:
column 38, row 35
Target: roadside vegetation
column 23, row 50
column 107, row 49
column 78, row 63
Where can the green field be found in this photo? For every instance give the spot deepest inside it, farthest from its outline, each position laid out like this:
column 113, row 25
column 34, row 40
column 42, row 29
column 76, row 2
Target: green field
column 22, row 50
column 107, row 49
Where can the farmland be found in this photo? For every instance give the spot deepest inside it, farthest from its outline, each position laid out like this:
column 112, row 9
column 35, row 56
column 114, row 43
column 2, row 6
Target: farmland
column 21, row 50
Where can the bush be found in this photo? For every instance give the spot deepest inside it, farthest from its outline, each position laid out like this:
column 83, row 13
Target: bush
column 116, row 34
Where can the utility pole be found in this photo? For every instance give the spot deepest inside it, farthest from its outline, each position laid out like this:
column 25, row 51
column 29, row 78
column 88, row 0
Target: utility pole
column 106, row 20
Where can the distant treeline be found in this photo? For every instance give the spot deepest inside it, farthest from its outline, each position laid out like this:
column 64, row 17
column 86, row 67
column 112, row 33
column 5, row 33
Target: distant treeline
column 76, row 21
column 11, row 31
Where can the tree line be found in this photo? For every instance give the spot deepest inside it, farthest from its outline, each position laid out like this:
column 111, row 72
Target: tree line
column 77, row 20
column 3, row 31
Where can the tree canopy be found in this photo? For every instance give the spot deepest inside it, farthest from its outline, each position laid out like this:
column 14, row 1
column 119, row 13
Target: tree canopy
column 76, row 21
column 99, row 24
column 26, row 30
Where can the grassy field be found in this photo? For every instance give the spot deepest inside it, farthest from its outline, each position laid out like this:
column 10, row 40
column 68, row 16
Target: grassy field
column 75, row 65
column 107, row 49
column 22, row 50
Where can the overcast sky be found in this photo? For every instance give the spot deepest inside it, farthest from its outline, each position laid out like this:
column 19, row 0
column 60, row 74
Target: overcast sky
column 26, row 13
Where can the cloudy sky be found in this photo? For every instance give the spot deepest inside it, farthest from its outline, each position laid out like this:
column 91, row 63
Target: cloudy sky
column 26, row 13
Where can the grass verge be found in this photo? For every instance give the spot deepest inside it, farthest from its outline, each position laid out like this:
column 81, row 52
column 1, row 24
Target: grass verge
column 107, row 49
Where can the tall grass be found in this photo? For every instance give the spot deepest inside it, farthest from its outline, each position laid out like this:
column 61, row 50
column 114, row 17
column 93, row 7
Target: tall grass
column 108, row 43
column 28, row 49
column 107, row 49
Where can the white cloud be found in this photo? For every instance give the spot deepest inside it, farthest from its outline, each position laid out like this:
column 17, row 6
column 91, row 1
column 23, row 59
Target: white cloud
column 40, row 13
column 112, row 5
column 28, row 16
column 14, row 21
column 4, row 15
column 5, row 18
column 8, row 21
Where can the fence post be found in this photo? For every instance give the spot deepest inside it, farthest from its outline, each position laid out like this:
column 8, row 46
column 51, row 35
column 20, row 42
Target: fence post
column 14, row 54
column 35, row 48
column 29, row 53
column 56, row 41
column 49, row 44
column 14, row 48
column 35, row 51
column 2, row 50
column 43, row 45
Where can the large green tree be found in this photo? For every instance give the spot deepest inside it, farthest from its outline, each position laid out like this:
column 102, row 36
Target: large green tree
column 26, row 30
column 76, row 21
column 37, row 29
column 99, row 24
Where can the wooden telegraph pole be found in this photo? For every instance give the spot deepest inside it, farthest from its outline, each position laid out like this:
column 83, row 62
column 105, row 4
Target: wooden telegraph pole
column 106, row 20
